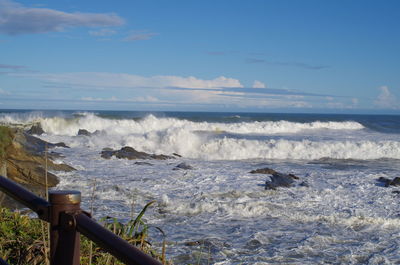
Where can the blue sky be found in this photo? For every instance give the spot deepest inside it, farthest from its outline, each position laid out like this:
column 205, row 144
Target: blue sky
column 224, row 55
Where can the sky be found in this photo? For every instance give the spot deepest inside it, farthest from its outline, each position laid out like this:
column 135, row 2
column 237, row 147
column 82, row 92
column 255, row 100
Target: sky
column 334, row 56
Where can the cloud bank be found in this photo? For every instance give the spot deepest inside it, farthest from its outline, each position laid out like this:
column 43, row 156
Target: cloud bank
column 17, row 19
column 101, row 80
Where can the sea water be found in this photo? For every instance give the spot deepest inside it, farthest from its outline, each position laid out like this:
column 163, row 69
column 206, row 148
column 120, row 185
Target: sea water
column 218, row 212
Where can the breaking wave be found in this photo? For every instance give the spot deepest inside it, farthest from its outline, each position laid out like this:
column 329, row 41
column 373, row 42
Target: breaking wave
column 92, row 122
column 172, row 135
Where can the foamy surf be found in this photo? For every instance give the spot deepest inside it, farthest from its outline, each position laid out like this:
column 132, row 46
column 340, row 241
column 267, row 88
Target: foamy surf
column 343, row 215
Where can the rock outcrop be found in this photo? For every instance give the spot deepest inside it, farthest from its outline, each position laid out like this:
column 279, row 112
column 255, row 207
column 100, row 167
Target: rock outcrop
column 84, row 132
column 280, row 180
column 25, row 162
column 265, row 170
column 130, row 153
column 36, row 129
column 277, row 179
column 389, row 182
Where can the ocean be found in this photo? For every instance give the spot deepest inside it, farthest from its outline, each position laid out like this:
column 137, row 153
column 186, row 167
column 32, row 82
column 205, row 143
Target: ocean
column 337, row 212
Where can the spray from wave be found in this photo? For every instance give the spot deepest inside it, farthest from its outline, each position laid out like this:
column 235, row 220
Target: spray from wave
column 211, row 140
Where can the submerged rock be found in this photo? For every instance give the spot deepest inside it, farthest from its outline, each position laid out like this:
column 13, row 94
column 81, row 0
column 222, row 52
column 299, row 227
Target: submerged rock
column 144, row 164
column 265, row 170
column 130, row 153
column 61, row 144
column 36, row 129
column 389, row 182
column 183, row 166
column 280, row 180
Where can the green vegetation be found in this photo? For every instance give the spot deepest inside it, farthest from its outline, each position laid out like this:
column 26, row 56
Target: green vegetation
column 6, row 137
column 21, row 239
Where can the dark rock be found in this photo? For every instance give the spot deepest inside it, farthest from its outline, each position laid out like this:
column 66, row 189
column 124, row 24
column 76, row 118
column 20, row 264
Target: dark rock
column 177, row 155
column 61, row 144
column 395, row 182
column 396, row 192
column 130, row 153
column 84, row 132
column 280, row 180
column 183, row 166
column 107, row 154
column 389, row 182
column 144, row 164
column 36, row 129
column 32, row 144
column 263, row 171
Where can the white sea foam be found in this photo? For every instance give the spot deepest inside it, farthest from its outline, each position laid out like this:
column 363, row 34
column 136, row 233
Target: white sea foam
column 91, row 122
column 21, row 118
column 342, row 216
column 205, row 140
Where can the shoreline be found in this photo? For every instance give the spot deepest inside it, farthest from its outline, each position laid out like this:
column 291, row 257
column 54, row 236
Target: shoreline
column 25, row 160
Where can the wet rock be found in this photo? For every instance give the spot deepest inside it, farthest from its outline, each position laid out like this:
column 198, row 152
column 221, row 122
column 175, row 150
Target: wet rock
column 263, row 171
column 36, row 129
column 183, row 166
column 61, row 144
column 130, row 153
column 280, row 180
column 84, row 132
column 389, row 182
column 107, row 154
column 144, row 164
column 395, row 182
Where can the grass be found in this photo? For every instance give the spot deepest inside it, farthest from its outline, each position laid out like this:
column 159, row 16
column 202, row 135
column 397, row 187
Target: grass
column 21, row 239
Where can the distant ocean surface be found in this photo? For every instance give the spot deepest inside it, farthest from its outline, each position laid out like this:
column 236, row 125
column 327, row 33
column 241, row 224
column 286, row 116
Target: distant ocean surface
column 340, row 214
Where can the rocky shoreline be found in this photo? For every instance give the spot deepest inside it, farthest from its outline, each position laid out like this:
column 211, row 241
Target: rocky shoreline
column 24, row 159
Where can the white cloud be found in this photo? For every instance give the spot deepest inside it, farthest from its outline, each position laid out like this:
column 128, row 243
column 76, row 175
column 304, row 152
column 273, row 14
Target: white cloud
column 259, row 84
column 386, row 99
column 17, row 19
column 112, row 80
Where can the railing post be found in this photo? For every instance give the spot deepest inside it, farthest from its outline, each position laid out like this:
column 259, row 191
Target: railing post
column 64, row 238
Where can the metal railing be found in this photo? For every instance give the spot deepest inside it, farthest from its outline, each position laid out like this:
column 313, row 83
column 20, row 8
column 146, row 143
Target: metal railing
column 67, row 220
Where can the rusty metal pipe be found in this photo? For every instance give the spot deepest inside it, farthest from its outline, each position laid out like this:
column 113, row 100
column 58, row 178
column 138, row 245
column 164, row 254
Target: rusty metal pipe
column 115, row 245
column 27, row 198
column 64, row 238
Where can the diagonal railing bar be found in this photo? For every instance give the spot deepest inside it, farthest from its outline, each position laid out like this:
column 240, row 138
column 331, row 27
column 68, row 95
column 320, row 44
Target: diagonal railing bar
column 67, row 220
column 25, row 197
